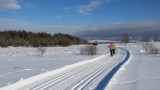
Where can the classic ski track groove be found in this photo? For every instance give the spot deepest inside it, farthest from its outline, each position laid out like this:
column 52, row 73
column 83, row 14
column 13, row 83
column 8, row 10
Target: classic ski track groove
column 88, row 73
column 65, row 76
column 82, row 85
column 100, row 71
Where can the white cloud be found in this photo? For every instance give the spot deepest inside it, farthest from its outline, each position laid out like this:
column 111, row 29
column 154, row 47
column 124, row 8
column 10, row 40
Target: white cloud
column 12, row 24
column 30, row 6
column 9, row 5
column 94, row 4
column 145, row 26
column 87, row 9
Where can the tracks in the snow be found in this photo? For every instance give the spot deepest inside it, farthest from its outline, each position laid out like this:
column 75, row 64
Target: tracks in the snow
column 79, row 77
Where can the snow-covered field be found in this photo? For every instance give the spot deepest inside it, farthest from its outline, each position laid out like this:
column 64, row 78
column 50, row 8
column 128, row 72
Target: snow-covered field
column 18, row 63
column 141, row 72
column 65, row 66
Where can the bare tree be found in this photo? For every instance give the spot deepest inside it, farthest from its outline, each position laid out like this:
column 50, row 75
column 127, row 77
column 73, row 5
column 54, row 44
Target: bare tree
column 41, row 50
column 146, row 46
column 149, row 47
column 125, row 38
column 154, row 50
column 146, row 42
column 89, row 50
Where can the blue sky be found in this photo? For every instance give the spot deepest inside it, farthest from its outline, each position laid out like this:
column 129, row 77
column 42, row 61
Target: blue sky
column 73, row 13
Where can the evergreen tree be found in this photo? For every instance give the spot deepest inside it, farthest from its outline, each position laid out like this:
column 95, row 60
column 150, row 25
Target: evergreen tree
column 23, row 38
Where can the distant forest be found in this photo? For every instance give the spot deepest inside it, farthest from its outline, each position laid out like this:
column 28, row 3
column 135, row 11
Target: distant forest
column 24, row 38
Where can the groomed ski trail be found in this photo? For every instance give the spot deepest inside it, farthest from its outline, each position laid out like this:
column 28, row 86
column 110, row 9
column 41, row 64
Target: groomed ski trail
column 83, row 75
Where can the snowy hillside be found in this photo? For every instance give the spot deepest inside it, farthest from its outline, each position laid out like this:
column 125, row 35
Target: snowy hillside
column 64, row 68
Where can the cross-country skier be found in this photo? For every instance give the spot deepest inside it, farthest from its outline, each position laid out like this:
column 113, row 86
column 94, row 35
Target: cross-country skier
column 113, row 48
column 110, row 46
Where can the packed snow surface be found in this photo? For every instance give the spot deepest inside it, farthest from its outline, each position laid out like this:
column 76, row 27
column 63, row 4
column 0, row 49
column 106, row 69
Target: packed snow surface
column 141, row 72
column 64, row 68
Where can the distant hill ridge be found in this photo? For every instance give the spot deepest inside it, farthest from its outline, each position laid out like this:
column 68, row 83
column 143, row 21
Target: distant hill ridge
column 116, row 33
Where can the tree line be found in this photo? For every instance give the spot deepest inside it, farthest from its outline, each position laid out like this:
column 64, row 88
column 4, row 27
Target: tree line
column 24, row 38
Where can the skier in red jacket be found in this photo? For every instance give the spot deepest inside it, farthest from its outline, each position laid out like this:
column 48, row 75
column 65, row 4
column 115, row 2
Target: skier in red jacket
column 110, row 46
